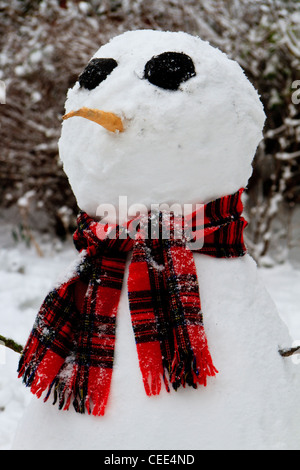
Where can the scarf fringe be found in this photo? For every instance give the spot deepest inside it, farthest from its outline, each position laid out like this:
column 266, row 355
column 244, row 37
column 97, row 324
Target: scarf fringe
column 67, row 386
column 189, row 367
column 151, row 367
column 84, row 399
column 203, row 366
column 38, row 375
column 192, row 367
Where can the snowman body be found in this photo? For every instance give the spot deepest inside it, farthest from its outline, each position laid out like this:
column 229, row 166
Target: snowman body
column 187, row 144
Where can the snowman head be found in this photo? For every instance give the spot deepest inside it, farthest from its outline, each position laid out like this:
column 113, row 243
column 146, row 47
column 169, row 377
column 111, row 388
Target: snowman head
column 180, row 123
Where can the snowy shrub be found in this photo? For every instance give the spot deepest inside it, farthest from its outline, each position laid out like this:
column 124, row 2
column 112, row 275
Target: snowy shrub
column 46, row 43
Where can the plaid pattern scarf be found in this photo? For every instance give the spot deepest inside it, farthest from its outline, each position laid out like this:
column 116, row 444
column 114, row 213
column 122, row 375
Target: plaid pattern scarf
column 70, row 350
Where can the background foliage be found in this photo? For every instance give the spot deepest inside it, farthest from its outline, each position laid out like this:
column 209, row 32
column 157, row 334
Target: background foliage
column 45, row 44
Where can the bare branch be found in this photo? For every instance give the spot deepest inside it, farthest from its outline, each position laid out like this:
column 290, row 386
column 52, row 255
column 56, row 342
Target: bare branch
column 11, row 344
column 289, row 352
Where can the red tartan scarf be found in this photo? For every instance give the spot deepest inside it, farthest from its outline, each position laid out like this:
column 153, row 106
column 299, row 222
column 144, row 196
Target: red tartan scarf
column 70, row 350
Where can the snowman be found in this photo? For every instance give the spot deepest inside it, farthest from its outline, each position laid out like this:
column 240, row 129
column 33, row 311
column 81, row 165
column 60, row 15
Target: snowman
column 160, row 119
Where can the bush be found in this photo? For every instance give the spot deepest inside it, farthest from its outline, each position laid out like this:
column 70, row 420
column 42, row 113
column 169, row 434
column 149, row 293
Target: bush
column 46, row 43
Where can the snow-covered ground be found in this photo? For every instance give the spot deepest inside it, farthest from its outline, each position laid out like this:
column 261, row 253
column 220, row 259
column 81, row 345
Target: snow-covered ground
column 25, row 279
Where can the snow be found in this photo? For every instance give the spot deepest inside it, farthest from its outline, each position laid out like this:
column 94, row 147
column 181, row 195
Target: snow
column 283, row 281
column 102, row 166
column 214, row 123
column 25, row 279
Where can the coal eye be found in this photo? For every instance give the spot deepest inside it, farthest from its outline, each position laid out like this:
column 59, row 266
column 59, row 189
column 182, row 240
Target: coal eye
column 169, row 69
column 95, row 72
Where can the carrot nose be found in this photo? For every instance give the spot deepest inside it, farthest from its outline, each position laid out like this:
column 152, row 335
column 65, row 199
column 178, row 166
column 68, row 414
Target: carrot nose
column 109, row 121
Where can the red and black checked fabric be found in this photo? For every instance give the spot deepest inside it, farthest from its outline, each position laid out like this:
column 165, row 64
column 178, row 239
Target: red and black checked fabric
column 70, row 350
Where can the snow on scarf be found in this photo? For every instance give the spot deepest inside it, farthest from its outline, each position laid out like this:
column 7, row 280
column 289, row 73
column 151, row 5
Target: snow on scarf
column 70, row 350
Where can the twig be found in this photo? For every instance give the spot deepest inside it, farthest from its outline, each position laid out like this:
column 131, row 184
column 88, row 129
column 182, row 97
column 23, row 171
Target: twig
column 11, row 344
column 24, row 215
column 289, row 352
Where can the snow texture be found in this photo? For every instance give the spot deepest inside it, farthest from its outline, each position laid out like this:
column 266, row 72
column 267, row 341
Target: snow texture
column 25, row 289
column 146, row 163
column 189, row 145
column 28, row 278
